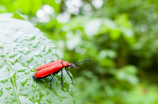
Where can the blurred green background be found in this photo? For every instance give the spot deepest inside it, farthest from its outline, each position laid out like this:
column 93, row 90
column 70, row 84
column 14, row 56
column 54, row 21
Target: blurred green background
column 121, row 37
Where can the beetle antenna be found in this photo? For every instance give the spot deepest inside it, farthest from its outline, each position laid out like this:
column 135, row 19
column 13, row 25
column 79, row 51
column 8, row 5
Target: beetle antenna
column 83, row 61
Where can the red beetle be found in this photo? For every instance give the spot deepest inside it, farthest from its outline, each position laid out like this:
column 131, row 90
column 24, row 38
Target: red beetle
column 53, row 68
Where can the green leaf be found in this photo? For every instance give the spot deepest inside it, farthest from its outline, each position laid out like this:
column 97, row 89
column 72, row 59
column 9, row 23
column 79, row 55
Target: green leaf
column 19, row 16
column 22, row 49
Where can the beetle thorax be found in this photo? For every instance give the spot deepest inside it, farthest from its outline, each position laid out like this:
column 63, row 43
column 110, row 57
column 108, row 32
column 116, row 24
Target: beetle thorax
column 66, row 64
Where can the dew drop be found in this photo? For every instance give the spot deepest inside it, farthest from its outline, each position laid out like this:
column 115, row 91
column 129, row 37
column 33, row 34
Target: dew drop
column 2, row 55
column 49, row 101
column 12, row 78
column 11, row 93
column 23, row 82
column 21, row 70
column 33, row 70
column 4, row 80
column 8, row 87
column 29, row 38
column 29, row 60
column 47, row 93
column 40, row 95
column 35, row 46
column 13, row 55
column 1, row 92
column 32, row 99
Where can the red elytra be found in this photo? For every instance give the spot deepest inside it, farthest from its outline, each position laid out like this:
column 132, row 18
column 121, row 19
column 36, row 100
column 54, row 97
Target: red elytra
column 53, row 68
column 48, row 64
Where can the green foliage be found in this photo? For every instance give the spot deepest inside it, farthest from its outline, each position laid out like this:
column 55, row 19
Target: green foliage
column 120, row 36
column 26, row 6
column 19, row 16
column 22, row 49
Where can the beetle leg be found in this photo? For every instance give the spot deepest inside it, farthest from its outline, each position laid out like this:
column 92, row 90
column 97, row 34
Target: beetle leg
column 51, row 80
column 61, row 78
column 69, row 74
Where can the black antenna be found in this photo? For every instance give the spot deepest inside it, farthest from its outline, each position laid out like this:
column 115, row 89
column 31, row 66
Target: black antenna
column 84, row 61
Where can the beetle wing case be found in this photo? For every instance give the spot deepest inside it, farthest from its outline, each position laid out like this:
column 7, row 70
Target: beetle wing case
column 48, row 64
column 48, row 70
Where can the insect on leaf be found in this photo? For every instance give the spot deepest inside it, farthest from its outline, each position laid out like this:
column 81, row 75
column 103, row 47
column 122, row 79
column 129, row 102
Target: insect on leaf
column 22, row 49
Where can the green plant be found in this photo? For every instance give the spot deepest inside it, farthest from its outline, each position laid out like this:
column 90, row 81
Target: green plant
column 22, row 49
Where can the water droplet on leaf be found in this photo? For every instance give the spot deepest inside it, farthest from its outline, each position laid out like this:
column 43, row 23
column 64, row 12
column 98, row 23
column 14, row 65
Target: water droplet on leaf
column 23, row 82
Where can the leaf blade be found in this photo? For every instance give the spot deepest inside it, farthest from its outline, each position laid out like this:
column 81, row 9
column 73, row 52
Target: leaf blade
column 22, row 49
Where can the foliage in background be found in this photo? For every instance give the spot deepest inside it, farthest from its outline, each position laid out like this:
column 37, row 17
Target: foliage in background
column 120, row 37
